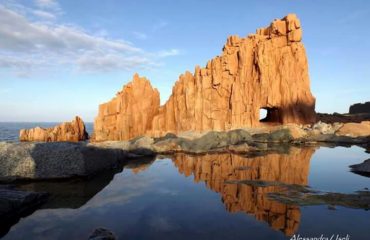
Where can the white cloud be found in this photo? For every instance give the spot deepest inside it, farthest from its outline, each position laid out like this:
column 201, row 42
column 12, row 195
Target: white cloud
column 40, row 13
column 27, row 45
column 51, row 4
column 44, row 14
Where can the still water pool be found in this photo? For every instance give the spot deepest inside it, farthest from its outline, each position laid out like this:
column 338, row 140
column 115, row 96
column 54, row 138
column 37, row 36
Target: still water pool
column 191, row 197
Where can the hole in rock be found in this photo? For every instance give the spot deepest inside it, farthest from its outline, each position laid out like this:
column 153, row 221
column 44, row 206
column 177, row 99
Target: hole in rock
column 270, row 115
column 263, row 114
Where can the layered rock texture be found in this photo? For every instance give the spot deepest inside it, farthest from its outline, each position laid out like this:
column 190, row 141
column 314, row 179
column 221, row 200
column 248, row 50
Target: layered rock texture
column 69, row 132
column 267, row 70
column 129, row 114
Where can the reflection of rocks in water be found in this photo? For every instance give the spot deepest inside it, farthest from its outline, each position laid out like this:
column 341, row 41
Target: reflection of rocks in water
column 308, row 197
column 15, row 204
column 140, row 164
column 215, row 169
column 72, row 193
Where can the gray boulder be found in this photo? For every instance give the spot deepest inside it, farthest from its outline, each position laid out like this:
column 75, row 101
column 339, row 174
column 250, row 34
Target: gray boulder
column 165, row 137
column 210, row 141
column 238, row 136
column 143, row 142
column 55, row 160
column 281, row 135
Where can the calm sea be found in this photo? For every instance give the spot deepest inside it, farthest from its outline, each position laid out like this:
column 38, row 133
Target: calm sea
column 9, row 131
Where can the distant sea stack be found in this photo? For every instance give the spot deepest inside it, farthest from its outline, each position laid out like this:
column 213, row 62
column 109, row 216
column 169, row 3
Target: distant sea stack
column 359, row 108
column 267, row 70
column 66, row 132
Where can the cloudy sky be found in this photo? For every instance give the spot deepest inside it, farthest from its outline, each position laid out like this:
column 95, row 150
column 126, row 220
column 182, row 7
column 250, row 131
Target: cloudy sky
column 62, row 58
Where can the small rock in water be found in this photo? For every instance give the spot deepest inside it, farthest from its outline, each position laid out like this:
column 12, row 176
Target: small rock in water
column 102, row 234
column 362, row 168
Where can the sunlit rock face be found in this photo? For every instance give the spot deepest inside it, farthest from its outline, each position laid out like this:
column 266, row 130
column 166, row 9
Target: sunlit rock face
column 215, row 169
column 267, row 70
column 129, row 114
column 73, row 131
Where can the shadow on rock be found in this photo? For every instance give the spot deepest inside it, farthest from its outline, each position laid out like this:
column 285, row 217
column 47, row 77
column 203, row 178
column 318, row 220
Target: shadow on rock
column 57, row 160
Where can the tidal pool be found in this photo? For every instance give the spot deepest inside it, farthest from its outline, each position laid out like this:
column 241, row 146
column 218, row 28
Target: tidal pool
column 201, row 197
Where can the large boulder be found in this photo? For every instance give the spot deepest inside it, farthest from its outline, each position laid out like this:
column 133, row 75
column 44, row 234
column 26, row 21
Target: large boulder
column 69, row 132
column 55, row 160
column 214, row 140
column 354, row 129
column 207, row 142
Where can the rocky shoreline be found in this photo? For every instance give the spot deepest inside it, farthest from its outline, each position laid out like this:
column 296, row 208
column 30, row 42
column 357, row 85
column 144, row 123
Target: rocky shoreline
column 26, row 162
column 56, row 160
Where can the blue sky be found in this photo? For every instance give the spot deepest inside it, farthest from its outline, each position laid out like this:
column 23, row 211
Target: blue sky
column 62, row 58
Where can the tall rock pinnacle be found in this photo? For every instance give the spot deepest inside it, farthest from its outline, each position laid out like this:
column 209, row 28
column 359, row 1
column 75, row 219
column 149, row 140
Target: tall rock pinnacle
column 267, row 70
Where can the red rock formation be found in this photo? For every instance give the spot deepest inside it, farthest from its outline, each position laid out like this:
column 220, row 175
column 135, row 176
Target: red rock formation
column 215, row 169
column 69, row 132
column 266, row 70
column 129, row 114
column 355, row 129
